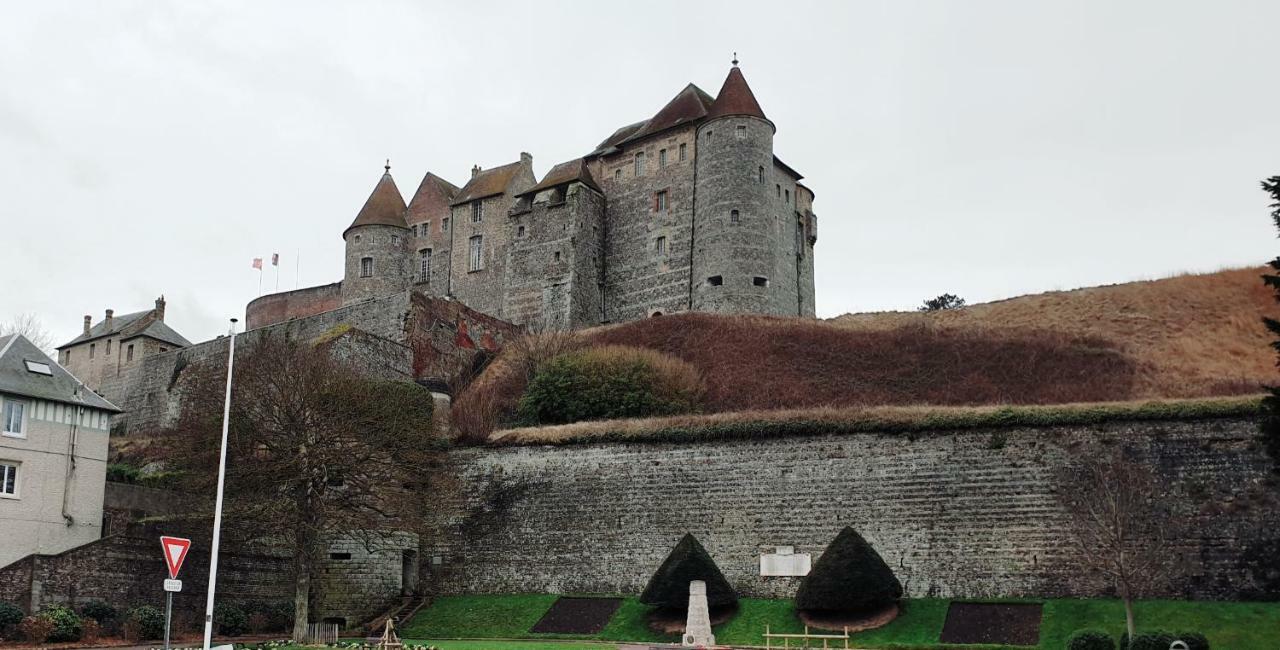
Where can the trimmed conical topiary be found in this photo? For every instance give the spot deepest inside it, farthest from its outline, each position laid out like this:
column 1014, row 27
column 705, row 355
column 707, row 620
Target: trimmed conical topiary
column 688, row 561
column 849, row 577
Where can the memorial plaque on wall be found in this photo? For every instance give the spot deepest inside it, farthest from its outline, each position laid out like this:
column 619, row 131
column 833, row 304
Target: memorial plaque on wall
column 784, row 562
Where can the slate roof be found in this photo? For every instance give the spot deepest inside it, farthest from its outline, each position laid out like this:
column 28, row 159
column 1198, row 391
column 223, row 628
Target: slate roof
column 736, row 98
column 432, row 199
column 129, row 326
column 565, row 172
column 62, row 386
column 384, row 207
column 487, row 182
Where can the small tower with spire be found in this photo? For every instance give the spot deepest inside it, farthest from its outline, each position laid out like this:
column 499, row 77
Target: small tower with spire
column 377, row 245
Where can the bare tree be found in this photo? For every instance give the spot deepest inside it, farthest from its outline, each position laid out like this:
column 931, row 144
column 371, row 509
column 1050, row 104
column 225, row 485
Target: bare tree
column 30, row 327
column 315, row 451
column 1118, row 525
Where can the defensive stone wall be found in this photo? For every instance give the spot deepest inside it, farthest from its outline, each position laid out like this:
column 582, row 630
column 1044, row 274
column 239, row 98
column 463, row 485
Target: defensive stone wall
column 969, row 513
column 288, row 305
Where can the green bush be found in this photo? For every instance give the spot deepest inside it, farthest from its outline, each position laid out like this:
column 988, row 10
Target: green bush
column 1161, row 641
column 66, row 623
column 849, row 577
column 145, row 622
column 1091, row 640
column 99, row 611
column 230, row 619
column 123, row 473
column 688, row 561
column 610, row 382
column 10, row 616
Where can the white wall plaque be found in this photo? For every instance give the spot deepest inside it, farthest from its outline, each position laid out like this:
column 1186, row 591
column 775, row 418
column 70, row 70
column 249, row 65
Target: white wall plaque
column 784, row 564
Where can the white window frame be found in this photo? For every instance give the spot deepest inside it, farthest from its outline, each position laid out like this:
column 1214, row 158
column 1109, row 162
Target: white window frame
column 639, row 164
column 23, row 418
column 424, row 264
column 10, row 469
column 660, row 245
column 475, row 253
column 477, row 211
column 369, row 274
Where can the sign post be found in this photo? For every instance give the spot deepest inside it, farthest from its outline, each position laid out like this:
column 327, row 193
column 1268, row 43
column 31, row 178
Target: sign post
column 175, row 551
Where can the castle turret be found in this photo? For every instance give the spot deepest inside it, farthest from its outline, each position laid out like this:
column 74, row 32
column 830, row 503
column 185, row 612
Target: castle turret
column 377, row 259
column 736, row 220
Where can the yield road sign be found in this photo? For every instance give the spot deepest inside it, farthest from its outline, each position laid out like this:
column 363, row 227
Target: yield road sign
column 175, row 551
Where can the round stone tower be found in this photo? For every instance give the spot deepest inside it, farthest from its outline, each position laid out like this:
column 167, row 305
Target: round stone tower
column 735, row 239
column 377, row 260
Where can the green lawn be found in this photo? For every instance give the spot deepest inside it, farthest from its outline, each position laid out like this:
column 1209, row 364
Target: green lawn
column 1229, row 626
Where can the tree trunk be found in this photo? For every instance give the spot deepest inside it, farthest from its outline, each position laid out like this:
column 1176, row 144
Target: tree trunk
column 1128, row 617
column 301, row 597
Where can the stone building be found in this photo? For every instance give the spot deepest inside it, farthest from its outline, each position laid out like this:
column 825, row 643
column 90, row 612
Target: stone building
column 106, row 353
column 688, row 210
column 53, row 454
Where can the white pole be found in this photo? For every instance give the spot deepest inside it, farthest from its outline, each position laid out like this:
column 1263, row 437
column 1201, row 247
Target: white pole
column 217, row 508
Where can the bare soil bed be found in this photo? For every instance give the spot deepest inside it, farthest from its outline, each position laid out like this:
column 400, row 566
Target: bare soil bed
column 852, row 623
column 577, row 616
column 1007, row 623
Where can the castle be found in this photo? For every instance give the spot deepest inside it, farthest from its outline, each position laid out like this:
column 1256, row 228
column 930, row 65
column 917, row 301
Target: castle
column 689, row 210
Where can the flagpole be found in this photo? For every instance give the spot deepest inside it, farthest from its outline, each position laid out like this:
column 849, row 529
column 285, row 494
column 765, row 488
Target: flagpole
column 217, row 508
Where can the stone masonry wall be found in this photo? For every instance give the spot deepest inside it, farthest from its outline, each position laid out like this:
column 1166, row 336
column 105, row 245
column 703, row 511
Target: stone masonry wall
column 967, row 514
column 279, row 307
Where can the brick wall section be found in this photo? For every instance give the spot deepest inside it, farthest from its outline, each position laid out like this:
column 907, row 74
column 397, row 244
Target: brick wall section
column 279, row 307
column 966, row 514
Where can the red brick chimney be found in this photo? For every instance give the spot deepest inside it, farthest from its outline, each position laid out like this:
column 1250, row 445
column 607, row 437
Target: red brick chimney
column 160, row 308
column 88, row 322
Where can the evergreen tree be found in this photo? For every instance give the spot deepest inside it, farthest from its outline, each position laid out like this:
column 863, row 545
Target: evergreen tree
column 1271, row 405
column 849, row 577
column 688, row 561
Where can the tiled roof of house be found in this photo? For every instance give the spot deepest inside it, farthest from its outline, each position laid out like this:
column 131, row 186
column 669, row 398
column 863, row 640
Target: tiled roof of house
column 487, row 182
column 128, row 326
column 432, row 199
column 17, row 378
column 384, row 207
column 565, row 172
column 736, row 98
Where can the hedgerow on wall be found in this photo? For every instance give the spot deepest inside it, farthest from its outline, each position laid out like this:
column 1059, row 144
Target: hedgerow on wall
column 610, row 382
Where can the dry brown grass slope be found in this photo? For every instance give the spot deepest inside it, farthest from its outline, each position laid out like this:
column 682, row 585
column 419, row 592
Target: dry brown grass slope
column 1191, row 335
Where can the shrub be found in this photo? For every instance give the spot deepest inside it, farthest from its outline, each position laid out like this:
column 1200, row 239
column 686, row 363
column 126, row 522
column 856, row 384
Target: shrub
column 1162, row 640
column 688, row 561
column 1091, row 640
column 850, row 576
column 610, row 382
column 230, row 619
column 123, row 473
column 99, row 611
column 66, row 623
column 144, row 622
column 258, row 623
column 10, row 616
column 36, row 629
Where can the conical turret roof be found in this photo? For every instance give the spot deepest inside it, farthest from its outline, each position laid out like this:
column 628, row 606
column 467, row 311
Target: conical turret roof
column 735, row 98
column 384, row 207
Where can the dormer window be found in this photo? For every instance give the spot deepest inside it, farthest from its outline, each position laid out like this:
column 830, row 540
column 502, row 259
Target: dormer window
column 366, row 267
column 38, row 367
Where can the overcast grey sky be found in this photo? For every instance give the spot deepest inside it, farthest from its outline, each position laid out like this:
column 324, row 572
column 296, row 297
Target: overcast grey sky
column 988, row 149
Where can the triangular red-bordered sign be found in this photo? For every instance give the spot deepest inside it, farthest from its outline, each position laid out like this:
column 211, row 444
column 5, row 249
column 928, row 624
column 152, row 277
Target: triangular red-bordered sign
column 175, row 551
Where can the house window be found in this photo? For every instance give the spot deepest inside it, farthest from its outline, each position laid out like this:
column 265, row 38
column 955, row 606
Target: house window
column 107, row 352
column 366, row 267
column 425, row 264
column 444, row 224
column 13, row 412
column 91, row 349
column 715, row 280
column 742, row 133
column 426, row 228
column 477, row 211
column 164, row 349
column 660, row 201
column 415, row 230
column 475, row 258
column 660, row 245
column 761, row 175
column 662, row 158
column 129, row 353
column 639, row 171
column 735, row 217
column 760, row 282
column 9, row 478
column 682, row 152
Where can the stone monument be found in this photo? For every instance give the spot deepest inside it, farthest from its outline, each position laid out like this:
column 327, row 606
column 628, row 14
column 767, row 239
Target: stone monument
column 697, row 627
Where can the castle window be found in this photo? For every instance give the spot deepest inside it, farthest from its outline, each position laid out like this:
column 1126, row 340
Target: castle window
column 129, row 353
column 476, row 258
column 425, row 264
column 477, row 211
column 708, row 134
column 639, row 171
column 557, row 257
column 788, row 192
column 339, row 556
column 660, row 201
column 799, row 239
column 617, row 174
column 735, row 217
column 108, row 350
column 662, row 158
column 395, row 239
column 520, row 231
column 760, row 282
column 660, row 245
column 715, row 280
column 779, row 189
column 761, row 175
column 426, row 228
column 91, row 349
column 164, row 349
column 366, row 267
column 682, row 152
column 444, row 224
column 357, row 238
column 415, row 230
column 742, row 133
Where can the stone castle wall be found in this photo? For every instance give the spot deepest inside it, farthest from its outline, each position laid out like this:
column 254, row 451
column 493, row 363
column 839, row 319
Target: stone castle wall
column 963, row 513
column 288, row 305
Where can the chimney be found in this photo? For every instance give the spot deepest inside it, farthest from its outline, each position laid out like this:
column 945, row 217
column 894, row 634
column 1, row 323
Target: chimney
column 107, row 322
column 526, row 158
column 160, row 308
column 475, row 170
column 88, row 322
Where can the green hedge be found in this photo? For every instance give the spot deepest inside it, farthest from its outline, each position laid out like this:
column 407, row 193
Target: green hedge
column 607, row 383
column 1091, row 640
